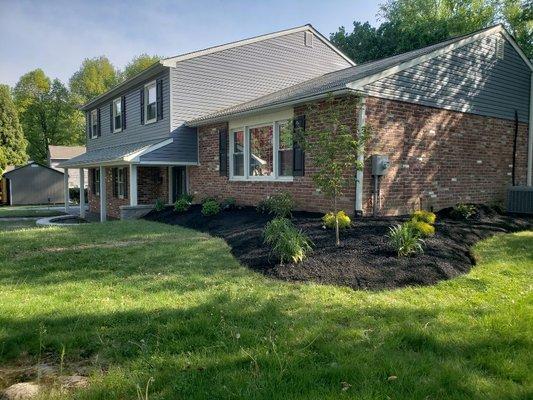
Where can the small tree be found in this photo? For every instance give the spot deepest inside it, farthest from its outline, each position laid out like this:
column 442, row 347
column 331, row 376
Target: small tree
column 334, row 146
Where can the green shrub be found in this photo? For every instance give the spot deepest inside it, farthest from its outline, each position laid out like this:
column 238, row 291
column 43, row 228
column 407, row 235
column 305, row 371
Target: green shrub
column 229, row 203
column 210, row 207
column 280, row 204
column 187, row 197
column 159, row 205
column 329, row 220
column 464, row 211
column 405, row 240
column 424, row 216
column 423, row 228
column 287, row 242
column 182, row 205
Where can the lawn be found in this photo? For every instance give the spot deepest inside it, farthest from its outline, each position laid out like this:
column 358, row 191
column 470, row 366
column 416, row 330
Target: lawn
column 130, row 301
column 28, row 211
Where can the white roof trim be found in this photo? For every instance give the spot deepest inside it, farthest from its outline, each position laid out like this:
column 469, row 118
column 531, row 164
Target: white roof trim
column 171, row 61
column 361, row 83
column 511, row 40
column 135, row 156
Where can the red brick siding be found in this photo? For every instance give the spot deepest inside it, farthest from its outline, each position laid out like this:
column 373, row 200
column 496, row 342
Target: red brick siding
column 205, row 180
column 438, row 158
column 152, row 183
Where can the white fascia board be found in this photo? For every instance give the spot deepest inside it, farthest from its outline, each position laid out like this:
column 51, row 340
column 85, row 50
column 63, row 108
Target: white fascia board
column 361, row 83
column 511, row 40
column 134, row 157
column 171, row 61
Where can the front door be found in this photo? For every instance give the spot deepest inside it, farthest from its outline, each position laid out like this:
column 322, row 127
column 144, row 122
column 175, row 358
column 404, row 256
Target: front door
column 179, row 182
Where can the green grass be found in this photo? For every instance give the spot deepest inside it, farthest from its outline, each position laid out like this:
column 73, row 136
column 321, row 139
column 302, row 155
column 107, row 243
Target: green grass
column 28, row 211
column 136, row 300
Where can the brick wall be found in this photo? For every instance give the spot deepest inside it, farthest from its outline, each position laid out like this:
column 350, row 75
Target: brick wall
column 438, row 158
column 152, row 183
column 205, row 179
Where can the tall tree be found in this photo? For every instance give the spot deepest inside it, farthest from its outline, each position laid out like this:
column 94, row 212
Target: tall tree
column 95, row 76
column 412, row 24
column 12, row 141
column 47, row 114
column 138, row 64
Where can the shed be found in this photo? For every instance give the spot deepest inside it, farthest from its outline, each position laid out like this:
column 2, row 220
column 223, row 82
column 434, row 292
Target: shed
column 34, row 183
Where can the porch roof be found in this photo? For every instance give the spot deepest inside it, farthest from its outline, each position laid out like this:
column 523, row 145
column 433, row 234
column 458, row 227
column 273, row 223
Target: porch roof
column 123, row 154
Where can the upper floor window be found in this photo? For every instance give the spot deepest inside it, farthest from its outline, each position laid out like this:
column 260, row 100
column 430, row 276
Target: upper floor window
column 268, row 149
column 93, row 123
column 117, row 115
column 150, row 94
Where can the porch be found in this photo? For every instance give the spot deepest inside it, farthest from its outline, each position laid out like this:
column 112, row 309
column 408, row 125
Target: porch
column 129, row 191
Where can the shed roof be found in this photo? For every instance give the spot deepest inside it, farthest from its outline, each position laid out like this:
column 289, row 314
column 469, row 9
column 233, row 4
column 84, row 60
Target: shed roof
column 9, row 174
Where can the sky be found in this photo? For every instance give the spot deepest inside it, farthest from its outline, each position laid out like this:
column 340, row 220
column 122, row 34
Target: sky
column 57, row 35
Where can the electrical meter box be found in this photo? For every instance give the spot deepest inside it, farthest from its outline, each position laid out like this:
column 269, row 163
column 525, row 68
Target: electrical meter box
column 380, row 164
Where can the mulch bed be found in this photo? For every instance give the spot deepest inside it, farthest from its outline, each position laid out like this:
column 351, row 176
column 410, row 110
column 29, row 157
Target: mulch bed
column 365, row 260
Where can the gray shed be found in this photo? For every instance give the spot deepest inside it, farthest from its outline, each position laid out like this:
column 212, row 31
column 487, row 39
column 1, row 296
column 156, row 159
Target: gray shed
column 34, row 183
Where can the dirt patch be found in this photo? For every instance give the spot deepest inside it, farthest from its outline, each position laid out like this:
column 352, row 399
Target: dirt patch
column 365, row 260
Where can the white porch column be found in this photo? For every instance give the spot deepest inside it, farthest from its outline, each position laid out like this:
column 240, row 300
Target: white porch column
column 103, row 200
column 133, row 184
column 82, row 193
column 65, row 182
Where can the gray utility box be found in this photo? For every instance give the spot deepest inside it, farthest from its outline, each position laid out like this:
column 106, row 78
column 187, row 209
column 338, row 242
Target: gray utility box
column 520, row 199
column 380, row 164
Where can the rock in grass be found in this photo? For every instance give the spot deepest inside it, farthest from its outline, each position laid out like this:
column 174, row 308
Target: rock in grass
column 74, row 382
column 21, row 391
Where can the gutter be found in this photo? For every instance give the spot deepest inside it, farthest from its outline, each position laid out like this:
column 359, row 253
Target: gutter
column 361, row 120
column 224, row 118
column 530, row 139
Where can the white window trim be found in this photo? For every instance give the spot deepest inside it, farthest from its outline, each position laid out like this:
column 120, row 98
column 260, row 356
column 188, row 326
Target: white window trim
column 97, row 182
column 275, row 144
column 118, row 100
column 94, row 132
column 121, row 182
column 146, row 98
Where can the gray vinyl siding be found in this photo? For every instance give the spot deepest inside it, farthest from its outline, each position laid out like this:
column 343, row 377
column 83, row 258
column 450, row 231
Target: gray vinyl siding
column 208, row 83
column 184, row 149
column 470, row 79
column 135, row 131
column 36, row 185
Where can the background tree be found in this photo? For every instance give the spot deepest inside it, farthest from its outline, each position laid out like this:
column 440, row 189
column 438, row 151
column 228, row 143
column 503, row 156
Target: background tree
column 335, row 147
column 412, row 24
column 12, row 141
column 138, row 64
column 47, row 113
column 95, row 76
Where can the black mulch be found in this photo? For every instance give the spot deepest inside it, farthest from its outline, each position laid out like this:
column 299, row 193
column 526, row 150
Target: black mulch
column 365, row 260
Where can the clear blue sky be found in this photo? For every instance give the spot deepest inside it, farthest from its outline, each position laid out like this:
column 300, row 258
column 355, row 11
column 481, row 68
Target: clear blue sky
column 57, row 35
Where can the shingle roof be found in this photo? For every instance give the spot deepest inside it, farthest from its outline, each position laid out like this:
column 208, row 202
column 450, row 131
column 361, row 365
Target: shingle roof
column 107, row 154
column 65, row 152
column 331, row 82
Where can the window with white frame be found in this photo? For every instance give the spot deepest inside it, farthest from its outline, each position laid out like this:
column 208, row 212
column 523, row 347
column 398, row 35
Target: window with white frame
column 93, row 123
column 96, row 181
column 117, row 115
column 262, row 152
column 121, row 190
column 150, row 95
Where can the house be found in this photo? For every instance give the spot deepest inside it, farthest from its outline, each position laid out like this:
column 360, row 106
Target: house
column 33, row 183
column 450, row 117
column 59, row 154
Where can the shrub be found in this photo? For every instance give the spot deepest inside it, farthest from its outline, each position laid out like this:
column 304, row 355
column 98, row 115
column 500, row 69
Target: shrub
column 405, row 240
column 287, row 242
column 424, row 216
column 188, row 197
column 229, row 203
column 159, row 205
column 329, row 220
column 74, row 195
column 423, row 228
column 279, row 204
column 181, row 205
column 464, row 211
column 210, row 207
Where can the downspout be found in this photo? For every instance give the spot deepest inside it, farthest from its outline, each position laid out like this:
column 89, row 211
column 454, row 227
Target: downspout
column 361, row 120
column 530, row 139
